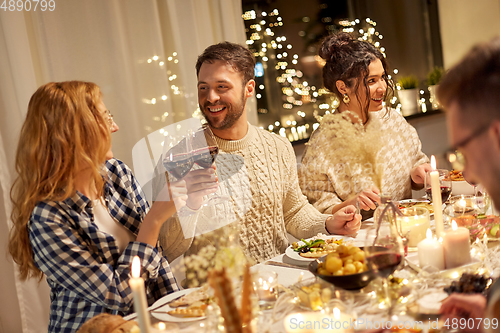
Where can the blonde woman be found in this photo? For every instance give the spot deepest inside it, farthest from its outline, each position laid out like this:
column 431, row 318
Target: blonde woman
column 79, row 214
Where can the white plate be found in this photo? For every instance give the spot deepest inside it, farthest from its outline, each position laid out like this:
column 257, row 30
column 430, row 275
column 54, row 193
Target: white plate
column 417, row 200
column 161, row 313
column 296, row 256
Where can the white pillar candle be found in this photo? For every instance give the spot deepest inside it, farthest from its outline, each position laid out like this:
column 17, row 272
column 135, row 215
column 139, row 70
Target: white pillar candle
column 414, row 223
column 436, row 198
column 430, row 252
column 139, row 293
column 456, row 246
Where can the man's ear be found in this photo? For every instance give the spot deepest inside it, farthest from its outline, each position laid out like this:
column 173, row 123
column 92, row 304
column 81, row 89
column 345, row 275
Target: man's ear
column 249, row 88
column 341, row 87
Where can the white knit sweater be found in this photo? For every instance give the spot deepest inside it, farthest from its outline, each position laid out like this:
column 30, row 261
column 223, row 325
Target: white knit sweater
column 259, row 172
column 336, row 166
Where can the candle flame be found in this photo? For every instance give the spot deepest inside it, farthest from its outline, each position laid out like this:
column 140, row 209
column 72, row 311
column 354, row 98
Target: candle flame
column 429, row 234
column 136, row 267
column 453, row 225
column 162, row 326
column 336, row 313
column 433, row 162
column 462, row 203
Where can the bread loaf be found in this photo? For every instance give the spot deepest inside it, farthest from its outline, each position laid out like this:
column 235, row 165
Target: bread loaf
column 107, row 323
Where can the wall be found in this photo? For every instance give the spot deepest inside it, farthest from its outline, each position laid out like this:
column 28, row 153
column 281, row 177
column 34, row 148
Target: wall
column 464, row 23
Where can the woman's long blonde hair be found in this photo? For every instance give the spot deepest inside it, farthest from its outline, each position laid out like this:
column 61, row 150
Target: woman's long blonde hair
column 64, row 133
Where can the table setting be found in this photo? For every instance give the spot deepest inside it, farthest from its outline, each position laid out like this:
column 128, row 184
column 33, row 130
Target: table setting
column 396, row 270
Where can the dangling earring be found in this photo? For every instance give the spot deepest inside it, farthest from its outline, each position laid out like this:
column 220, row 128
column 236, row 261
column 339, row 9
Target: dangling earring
column 346, row 99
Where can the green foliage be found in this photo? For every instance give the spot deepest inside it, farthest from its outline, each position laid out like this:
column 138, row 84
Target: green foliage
column 408, row 82
column 434, row 76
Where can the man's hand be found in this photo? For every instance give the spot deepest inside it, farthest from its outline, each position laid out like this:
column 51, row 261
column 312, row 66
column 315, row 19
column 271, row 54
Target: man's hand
column 367, row 198
column 344, row 222
column 417, row 174
column 199, row 183
column 464, row 306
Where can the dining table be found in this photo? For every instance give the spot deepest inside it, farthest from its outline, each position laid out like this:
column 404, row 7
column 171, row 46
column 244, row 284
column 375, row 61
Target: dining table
column 291, row 272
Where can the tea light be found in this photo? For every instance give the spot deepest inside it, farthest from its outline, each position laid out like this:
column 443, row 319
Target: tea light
column 140, row 304
column 456, row 246
column 318, row 322
column 430, row 252
column 436, row 198
column 264, row 284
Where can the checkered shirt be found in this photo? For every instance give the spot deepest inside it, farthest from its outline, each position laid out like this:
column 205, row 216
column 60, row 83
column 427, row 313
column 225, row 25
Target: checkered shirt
column 83, row 265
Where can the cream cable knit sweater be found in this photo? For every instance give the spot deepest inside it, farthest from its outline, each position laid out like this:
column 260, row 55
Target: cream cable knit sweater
column 333, row 168
column 259, row 172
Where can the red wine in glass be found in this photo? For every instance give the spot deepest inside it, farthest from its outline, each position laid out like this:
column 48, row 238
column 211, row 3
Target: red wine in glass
column 179, row 165
column 205, row 157
column 445, row 193
column 384, row 263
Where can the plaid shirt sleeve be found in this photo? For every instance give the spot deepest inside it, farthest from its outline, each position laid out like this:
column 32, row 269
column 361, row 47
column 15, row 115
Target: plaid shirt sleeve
column 87, row 273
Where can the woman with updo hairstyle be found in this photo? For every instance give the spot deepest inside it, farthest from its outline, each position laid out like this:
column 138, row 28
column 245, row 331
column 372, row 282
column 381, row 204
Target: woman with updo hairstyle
column 364, row 148
column 79, row 216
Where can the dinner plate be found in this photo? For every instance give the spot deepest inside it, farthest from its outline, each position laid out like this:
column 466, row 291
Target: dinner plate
column 161, row 313
column 426, row 202
column 296, row 256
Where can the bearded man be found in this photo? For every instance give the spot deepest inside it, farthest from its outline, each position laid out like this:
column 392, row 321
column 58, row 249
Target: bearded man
column 256, row 169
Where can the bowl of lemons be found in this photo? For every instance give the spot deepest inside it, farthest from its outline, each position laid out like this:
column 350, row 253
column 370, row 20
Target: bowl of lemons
column 344, row 268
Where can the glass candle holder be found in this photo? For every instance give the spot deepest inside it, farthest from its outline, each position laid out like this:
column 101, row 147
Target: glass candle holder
column 414, row 224
column 264, row 285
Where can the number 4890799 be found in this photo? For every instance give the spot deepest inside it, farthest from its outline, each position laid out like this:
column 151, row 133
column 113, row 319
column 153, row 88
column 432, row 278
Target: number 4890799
column 28, row 5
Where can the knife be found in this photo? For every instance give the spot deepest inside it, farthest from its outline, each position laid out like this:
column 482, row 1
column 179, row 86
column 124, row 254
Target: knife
column 283, row 264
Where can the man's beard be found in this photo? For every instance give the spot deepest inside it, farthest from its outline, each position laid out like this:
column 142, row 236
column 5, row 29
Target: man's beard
column 233, row 113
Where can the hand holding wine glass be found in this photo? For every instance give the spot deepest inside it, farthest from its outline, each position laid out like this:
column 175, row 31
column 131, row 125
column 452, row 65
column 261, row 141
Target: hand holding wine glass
column 444, row 184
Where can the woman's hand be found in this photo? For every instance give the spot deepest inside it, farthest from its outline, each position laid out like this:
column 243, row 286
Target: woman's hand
column 417, row 174
column 344, row 222
column 368, row 199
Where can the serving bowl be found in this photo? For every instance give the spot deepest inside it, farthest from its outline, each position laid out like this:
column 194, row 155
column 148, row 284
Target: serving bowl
column 461, row 187
column 350, row 282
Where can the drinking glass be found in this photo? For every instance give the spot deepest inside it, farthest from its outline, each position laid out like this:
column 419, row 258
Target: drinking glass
column 178, row 159
column 264, row 285
column 483, row 200
column 384, row 250
column 205, row 151
column 444, row 184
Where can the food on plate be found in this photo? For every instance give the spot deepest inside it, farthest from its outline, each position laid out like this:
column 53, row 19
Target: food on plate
column 200, row 294
column 107, row 323
column 495, row 231
column 314, row 296
column 456, row 175
column 469, row 284
column 197, row 309
column 479, row 225
column 344, row 260
column 316, row 247
column 425, row 204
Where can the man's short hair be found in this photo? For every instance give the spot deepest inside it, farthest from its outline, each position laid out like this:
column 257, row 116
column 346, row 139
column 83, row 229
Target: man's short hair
column 474, row 83
column 238, row 56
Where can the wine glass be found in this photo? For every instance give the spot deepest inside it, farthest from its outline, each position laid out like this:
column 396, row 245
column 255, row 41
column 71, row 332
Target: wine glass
column 204, row 153
column 444, row 184
column 384, row 249
column 178, row 160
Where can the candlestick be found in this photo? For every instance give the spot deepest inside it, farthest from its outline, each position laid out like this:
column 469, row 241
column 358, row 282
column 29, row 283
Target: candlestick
column 140, row 304
column 456, row 246
column 436, row 198
column 430, row 252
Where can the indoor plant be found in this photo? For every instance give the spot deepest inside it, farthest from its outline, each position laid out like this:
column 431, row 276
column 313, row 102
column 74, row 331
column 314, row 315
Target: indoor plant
column 408, row 94
column 433, row 79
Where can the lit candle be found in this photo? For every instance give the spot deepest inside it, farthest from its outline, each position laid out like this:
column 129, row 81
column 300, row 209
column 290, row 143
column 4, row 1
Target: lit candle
column 138, row 290
column 430, row 252
column 415, row 223
column 456, row 246
column 436, row 198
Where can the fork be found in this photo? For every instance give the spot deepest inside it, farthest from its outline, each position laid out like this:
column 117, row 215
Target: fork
column 134, row 315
